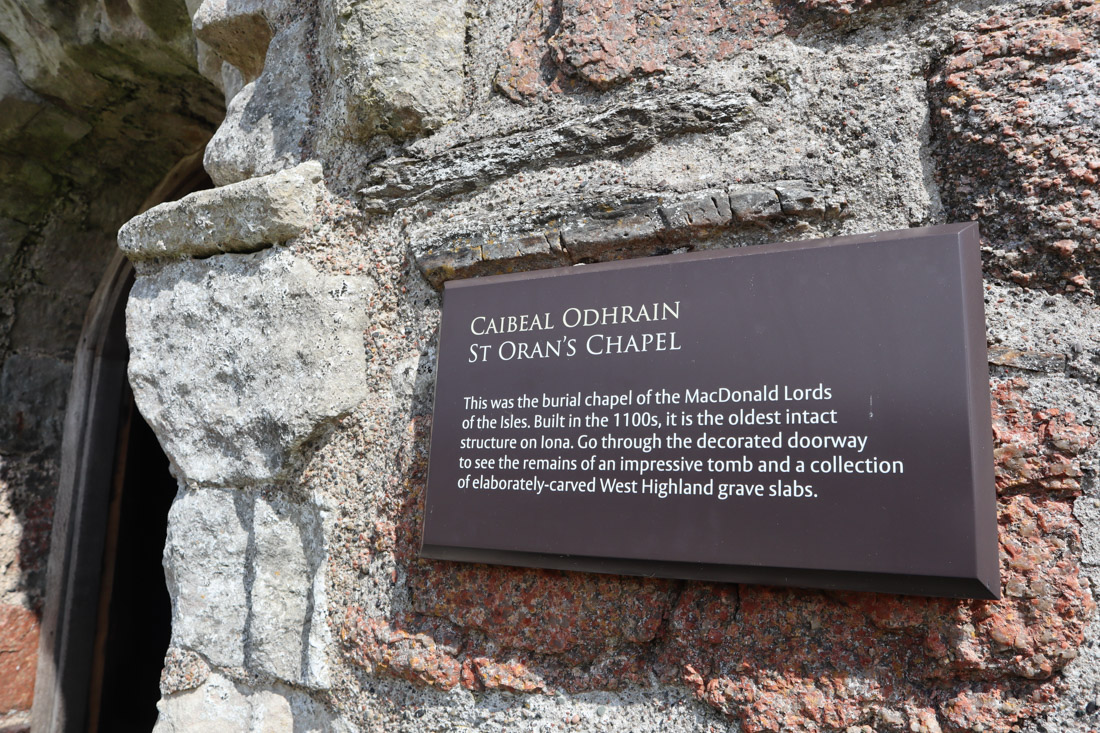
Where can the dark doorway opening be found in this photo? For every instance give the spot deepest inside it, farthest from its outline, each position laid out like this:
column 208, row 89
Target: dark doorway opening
column 134, row 619
column 106, row 621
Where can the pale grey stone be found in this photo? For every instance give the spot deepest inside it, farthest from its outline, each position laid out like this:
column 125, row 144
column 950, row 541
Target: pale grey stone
column 288, row 631
column 204, row 565
column 239, row 218
column 245, row 573
column 1087, row 511
column 404, row 378
column 267, row 119
column 398, row 64
column 232, row 81
column 237, row 30
column 220, row 706
column 210, row 64
column 237, row 360
column 215, row 707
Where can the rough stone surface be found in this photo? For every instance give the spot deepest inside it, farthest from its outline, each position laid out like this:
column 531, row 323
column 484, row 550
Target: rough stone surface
column 237, row 30
column 33, row 394
column 221, row 706
column 753, row 203
column 288, row 631
column 183, row 670
column 774, row 659
column 27, row 483
column 245, row 572
column 20, row 103
column 204, row 565
column 1036, row 449
column 1017, row 123
column 239, row 218
column 397, row 64
column 699, row 211
column 236, row 362
column 634, row 229
column 266, row 118
column 465, row 139
column 605, row 43
column 618, row 130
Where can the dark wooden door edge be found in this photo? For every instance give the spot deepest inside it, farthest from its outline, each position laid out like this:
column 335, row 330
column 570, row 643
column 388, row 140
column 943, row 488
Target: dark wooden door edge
column 76, row 548
column 88, row 453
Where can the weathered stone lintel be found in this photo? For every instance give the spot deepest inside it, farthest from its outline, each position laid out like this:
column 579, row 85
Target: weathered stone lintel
column 614, row 132
column 636, row 228
column 241, row 217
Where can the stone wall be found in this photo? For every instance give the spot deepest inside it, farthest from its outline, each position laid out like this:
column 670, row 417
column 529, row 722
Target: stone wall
column 98, row 102
column 283, row 332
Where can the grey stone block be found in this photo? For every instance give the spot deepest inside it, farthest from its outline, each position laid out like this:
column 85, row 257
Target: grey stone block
column 237, row 30
column 753, row 203
column 222, row 706
column 242, row 217
column 237, row 360
column 700, row 210
column 267, row 119
column 204, row 564
column 398, row 64
column 288, row 630
column 592, row 236
column 798, row 198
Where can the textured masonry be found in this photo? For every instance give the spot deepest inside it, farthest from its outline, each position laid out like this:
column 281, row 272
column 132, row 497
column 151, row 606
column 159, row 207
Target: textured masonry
column 283, row 333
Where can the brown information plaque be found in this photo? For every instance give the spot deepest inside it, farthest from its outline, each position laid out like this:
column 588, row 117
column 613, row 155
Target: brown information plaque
column 813, row 414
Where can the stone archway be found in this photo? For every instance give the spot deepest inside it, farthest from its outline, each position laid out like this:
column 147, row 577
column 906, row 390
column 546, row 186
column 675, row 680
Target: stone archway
column 97, row 524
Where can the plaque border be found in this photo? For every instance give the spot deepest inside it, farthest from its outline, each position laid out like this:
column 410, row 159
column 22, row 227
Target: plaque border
column 984, row 584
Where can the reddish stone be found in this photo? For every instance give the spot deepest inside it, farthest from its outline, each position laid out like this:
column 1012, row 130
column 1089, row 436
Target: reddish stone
column 993, row 710
column 776, row 659
column 18, row 657
column 1035, row 448
column 606, row 42
column 1038, row 625
column 510, row 676
column 183, row 670
column 529, row 71
column 544, row 611
column 567, row 45
column 376, row 645
column 1016, row 151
